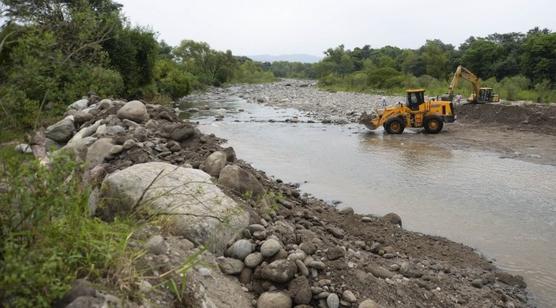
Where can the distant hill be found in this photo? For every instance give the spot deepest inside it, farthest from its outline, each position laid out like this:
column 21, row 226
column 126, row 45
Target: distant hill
column 304, row 58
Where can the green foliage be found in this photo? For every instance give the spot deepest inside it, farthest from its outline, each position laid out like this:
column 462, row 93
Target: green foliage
column 297, row 70
column 250, row 72
column 210, row 66
column 518, row 66
column 133, row 52
column 173, row 80
column 48, row 238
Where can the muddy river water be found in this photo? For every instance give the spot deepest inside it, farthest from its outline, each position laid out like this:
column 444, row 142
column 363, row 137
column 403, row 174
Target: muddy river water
column 505, row 208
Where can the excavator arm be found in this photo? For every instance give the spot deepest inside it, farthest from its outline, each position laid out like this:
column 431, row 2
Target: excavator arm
column 462, row 72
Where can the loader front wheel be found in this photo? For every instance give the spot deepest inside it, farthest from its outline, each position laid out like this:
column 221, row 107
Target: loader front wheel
column 433, row 125
column 394, row 126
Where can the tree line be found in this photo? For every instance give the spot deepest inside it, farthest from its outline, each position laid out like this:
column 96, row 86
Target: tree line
column 54, row 52
column 519, row 65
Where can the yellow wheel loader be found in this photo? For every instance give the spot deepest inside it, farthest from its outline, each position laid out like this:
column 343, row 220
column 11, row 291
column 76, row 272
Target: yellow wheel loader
column 416, row 112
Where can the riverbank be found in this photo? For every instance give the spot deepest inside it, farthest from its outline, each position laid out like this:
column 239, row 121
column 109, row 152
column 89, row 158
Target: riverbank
column 518, row 130
column 281, row 247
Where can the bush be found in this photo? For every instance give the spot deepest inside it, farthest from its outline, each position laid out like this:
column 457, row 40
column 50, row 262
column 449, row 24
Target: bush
column 250, row 72
column 48, row 238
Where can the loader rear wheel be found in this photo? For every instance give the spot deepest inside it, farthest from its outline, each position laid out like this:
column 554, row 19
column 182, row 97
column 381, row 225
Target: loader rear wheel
column 394, row 126
column 433, row 125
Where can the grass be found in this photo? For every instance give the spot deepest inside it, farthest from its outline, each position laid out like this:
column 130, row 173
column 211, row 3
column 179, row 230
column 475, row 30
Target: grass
column 48, row 237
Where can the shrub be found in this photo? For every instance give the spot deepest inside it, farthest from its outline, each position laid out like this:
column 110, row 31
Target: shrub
column 48, row 237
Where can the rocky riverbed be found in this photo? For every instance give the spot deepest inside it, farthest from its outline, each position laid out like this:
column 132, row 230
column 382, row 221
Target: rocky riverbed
column 518, row 130
column 229, row 235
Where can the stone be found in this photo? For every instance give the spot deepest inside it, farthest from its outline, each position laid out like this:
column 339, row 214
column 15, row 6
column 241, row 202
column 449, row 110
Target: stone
column 333, row 301
column 335, row 253
column 256, row 227
column 209, row 287
column 87, row 302
column 99, row 151
column 240, row 249
column 61, row 131
column 129, row 143
column 393, row 218
column 270, row 247
column 477, row 283
column 214, row 163
column 300, row 290
column 79, row 105
column 211, row 218
column 23, row 148
column 79, row 288
column 375, row 247
column 368, row 303
column 366, row 219
column 245, row 275
column 240, row 180
column 337, row 232
column 509, row 279
column 308, row 248
column 182, row 133
column 347, row 211
column 316, row 264
column 349, row 297
column 280, row 271
column 273, row 300
column 230, row 154
column 229, row 266
column 253, row 260
column 81, row 117
column 157, row 245
column 302, row 268
column 134, row 111
column 379, row 271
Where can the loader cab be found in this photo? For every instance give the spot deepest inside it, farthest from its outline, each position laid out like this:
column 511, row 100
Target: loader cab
column 415, row 97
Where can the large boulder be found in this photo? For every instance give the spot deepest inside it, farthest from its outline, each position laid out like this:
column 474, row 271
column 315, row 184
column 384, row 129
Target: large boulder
column 134, row 111
column 61, row 131
column 240, row 180
column 214, row 163
column 208, row 287
column 197, row 208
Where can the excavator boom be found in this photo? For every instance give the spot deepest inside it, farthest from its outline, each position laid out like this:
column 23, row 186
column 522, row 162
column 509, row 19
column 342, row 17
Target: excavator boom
column 480, row 95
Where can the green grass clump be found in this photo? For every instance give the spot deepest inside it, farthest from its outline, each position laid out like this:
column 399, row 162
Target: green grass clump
column 48, row 237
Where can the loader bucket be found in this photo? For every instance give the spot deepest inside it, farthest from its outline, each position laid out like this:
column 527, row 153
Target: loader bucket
column 369, row 120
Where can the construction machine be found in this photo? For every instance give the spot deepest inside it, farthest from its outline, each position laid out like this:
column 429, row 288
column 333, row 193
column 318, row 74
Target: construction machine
column 416, row 112
column 480, row 94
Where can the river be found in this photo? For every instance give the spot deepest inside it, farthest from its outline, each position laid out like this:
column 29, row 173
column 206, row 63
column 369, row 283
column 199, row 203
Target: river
column 505, row 208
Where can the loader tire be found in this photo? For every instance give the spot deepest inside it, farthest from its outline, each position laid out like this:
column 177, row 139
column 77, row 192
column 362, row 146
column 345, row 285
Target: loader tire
column 433, row 125
column 394, row 126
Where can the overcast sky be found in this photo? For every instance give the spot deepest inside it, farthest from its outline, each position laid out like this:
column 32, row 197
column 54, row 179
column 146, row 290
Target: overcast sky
column 250, row 27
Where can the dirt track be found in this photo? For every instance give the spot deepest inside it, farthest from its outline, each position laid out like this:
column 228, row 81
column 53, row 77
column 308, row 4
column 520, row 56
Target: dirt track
column 521, row 131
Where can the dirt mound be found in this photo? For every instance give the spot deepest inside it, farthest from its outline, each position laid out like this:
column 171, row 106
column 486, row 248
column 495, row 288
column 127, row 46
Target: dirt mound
column 534, row 117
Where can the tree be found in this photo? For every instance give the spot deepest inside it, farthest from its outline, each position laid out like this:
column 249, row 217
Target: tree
column 538, row 59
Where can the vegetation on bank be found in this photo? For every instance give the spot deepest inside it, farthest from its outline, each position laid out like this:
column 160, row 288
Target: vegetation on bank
column 53, row 52
column 48, row 236
column 518, row 66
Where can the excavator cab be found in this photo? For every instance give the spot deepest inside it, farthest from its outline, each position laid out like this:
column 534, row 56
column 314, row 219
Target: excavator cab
column 415, row 97
column 487, row 95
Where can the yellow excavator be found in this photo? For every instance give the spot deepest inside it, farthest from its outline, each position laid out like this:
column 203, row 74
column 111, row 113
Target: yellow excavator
column 416, row 112
column 480, row 94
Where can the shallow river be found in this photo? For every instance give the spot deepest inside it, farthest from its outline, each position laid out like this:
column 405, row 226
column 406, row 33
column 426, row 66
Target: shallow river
column 505, row 208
